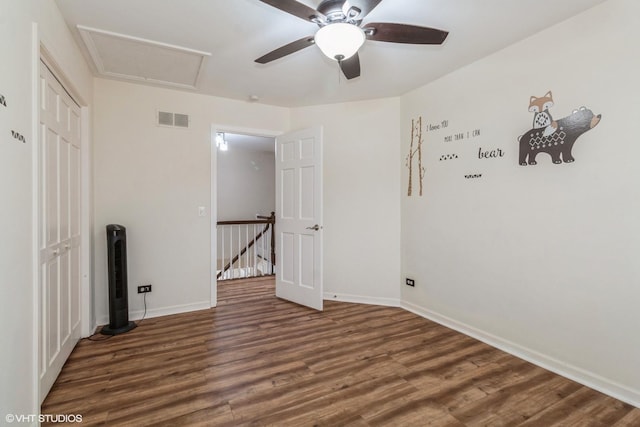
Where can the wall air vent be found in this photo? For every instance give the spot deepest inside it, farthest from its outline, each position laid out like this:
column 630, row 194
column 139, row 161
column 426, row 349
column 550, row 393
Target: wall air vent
column 165, row 119
column 181, row 120
column 173, row 119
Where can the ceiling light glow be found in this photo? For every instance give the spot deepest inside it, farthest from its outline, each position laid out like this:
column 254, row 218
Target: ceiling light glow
column 339, row 41
column 221, row 142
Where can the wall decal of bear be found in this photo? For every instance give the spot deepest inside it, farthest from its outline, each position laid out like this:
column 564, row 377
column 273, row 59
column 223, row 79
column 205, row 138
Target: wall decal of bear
column 555, row 138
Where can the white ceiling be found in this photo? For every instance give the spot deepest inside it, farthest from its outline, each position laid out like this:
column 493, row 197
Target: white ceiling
column 236, row 32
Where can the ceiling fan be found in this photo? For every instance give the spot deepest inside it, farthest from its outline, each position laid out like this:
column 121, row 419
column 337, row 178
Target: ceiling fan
column 341, row 32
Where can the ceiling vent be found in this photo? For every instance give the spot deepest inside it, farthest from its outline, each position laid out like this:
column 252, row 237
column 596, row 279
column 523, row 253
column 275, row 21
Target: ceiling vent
column 173, row 119
column 132, row 58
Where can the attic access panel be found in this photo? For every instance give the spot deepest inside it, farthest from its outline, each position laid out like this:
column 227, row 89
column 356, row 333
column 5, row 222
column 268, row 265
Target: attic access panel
column 132, row 58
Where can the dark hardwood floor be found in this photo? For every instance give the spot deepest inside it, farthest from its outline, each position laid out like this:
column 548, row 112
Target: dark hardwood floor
column 258, row 360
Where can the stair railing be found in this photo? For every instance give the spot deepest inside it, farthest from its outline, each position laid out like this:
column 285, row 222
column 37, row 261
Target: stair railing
column 246, row 247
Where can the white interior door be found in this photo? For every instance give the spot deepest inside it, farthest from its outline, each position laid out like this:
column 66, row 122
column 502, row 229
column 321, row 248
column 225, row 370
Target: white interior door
column 59, row 228
column 299, row 217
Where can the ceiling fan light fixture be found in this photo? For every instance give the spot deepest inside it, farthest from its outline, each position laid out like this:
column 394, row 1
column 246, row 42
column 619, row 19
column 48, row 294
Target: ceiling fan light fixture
column 340, row 41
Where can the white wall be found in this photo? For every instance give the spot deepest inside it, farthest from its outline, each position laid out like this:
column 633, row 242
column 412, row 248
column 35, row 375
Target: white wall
column 18, row 382
column 539, row 260
column 152, row 180
column 361, row 198
column 246, row 183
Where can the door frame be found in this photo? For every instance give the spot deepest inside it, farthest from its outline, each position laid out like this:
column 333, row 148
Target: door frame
column 40, row 52
column 213, row 214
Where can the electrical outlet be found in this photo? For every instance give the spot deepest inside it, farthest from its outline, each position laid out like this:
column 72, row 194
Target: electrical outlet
column 410, row 282
column 144, row 289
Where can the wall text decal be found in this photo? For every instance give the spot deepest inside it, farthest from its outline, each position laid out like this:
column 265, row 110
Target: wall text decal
column 490, row 154
column 3, row 101
column 457, row 136
column 467, row 136
column 18, row 136
column 461, row 136
column 437, row 126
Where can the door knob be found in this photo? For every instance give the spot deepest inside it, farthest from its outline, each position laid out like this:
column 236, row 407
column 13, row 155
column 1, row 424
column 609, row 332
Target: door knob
column 315, row 227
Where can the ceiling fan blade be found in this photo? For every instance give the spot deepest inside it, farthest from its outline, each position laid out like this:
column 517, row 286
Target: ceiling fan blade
column 351, row 67
column 286, row 50
column 295, row 8
column 365, row 6
column 402, row 33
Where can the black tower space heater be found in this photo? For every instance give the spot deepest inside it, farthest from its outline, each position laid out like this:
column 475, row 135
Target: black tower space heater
column 117, row 267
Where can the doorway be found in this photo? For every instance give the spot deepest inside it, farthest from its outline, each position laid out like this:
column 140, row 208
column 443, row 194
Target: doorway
column 245, row 205
column 297, row 214
column 245, row 176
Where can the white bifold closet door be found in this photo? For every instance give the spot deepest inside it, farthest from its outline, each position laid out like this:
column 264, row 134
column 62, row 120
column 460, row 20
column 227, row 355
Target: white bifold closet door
column 59, row 228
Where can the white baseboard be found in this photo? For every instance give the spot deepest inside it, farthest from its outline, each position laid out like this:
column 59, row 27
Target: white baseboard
column 162, row 311
column 359, row 299
column 589, row 379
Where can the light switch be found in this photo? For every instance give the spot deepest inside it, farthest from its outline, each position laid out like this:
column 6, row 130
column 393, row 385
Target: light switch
column 202, row 211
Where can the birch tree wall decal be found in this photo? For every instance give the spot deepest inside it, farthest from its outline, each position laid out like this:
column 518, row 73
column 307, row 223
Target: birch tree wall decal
column 416, row 140
column 421, row 169
column 409, row 161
